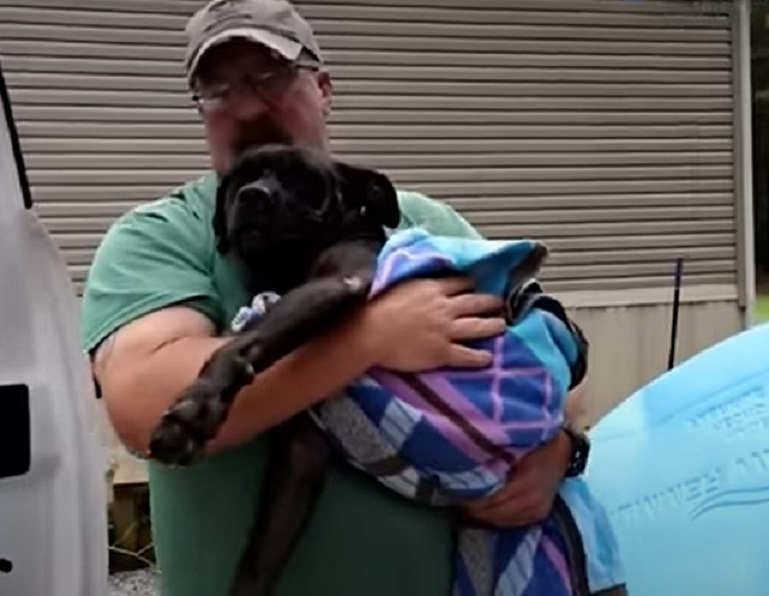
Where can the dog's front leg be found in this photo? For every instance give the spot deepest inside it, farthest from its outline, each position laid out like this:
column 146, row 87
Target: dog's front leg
column 196, row 416
column 299, row 457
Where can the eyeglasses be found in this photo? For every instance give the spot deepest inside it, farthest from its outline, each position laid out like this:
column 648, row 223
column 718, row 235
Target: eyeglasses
column 269, row 85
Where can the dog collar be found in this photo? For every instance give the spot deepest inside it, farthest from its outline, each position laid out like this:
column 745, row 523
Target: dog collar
column 259, row 305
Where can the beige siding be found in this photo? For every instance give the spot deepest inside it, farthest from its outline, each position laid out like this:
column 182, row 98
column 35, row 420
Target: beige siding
column 630, row 342
column 604, row 127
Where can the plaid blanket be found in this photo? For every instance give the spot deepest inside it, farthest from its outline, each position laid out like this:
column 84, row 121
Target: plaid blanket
column 450, row 435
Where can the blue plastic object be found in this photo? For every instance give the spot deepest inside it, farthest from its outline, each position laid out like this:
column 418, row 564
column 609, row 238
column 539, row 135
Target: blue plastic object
column 683, row 468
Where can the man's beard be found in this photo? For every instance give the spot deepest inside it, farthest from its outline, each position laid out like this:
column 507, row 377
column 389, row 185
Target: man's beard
column 263, row 131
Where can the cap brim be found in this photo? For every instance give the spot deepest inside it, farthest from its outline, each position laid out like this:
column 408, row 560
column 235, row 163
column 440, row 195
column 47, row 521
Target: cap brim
column 287, row 48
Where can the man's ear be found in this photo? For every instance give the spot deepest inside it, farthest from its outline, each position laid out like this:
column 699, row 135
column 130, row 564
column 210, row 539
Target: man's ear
column 373, row 191
column 219, row 220
column 325, row 86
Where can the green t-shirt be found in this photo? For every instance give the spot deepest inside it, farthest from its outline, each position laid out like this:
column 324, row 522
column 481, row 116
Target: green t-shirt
column 362, row 539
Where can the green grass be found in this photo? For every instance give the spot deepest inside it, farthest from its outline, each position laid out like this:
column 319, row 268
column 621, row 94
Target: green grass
column 762, row 307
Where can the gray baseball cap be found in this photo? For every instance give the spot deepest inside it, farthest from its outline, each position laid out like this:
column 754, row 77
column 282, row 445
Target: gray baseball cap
column 275, row 24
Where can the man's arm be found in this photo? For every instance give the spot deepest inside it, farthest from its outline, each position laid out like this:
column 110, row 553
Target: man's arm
column 144, row 365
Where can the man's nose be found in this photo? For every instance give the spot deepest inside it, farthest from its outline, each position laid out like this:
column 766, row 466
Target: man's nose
column 250, row 105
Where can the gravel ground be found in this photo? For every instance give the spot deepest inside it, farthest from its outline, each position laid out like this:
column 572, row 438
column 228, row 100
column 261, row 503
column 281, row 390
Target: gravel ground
column 133, row 583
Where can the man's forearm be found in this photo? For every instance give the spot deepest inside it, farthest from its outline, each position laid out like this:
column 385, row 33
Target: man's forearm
column 137, row 400
column 305, row 377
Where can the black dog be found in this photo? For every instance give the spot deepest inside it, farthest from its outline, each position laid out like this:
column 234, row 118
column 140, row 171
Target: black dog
column 309, row 229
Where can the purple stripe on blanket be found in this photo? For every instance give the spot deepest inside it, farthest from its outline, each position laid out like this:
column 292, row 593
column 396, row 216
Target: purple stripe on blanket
column 452, row 398
column 446, row 427
column 557, row 559
column 500, row 405
column 458, row 417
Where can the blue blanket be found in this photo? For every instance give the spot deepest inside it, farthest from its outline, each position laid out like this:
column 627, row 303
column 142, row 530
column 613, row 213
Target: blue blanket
column 450, row 435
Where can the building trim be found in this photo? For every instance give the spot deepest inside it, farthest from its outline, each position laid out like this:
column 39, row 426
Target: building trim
column 743, row 159
column 649, row 296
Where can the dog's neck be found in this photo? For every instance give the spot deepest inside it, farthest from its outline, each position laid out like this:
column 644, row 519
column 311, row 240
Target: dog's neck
column 283, row 271
column 279, row 273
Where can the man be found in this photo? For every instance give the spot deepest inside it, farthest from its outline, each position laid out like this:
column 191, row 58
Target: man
column 158, row 297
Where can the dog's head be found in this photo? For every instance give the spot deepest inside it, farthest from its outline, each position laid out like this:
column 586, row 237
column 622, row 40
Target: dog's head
column 281, row 203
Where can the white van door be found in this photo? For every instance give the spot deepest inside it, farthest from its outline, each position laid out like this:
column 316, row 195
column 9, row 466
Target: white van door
column 53, row 519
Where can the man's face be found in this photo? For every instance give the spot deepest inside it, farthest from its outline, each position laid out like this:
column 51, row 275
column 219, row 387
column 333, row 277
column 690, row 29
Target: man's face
column 250, row 98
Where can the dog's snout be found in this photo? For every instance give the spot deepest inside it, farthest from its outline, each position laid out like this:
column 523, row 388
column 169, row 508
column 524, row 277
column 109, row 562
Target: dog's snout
column 256, row 191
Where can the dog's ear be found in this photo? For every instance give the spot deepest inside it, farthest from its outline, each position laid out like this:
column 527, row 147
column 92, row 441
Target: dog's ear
column 373, row 191
column 219, row 220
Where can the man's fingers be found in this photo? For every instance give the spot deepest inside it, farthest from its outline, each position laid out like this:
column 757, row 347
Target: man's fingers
column 476, row 305
column 464, row 357
column 452, row 286
column 506, row 519
column 504, row 501
column 476, row 328
column 499, row 516
column 511, row 491
column 511, row 510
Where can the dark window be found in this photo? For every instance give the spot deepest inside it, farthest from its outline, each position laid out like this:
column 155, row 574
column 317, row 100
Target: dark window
column 15, row 448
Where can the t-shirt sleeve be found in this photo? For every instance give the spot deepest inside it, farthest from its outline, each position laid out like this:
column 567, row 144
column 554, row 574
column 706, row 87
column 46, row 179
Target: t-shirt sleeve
column 437, row 217
column 157, row 255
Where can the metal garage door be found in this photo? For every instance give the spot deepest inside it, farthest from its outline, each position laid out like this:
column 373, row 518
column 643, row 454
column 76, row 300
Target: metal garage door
column 603, row 127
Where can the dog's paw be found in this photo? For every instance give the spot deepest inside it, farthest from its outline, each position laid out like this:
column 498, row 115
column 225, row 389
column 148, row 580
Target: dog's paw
column 189, row 424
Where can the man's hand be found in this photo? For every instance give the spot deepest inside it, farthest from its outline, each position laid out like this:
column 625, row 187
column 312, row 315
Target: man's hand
column 424, row 324
column 528, row 496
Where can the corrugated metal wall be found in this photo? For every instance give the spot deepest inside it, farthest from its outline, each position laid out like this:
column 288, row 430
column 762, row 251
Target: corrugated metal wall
column 603, row 127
